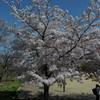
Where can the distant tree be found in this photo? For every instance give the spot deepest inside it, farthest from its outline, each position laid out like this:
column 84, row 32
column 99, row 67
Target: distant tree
column 91, row 67
column 3, row 31
column 5, row 34
column 6, row 38
column 50, row 42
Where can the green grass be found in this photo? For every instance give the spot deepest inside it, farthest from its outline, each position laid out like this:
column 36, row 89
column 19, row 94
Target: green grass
column 8, row 89
column 9, row 86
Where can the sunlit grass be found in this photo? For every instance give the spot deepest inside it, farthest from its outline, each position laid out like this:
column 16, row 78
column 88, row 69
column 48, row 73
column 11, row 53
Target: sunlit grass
column 10, row 85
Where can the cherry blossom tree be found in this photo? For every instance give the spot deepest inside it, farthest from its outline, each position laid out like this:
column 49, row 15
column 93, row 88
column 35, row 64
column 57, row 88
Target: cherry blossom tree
column 51, row 42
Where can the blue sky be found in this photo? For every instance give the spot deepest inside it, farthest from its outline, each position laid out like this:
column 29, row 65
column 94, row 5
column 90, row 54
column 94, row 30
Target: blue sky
column 75, row 7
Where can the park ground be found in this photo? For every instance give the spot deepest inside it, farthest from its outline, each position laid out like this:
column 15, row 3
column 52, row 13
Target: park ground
column 29, row 91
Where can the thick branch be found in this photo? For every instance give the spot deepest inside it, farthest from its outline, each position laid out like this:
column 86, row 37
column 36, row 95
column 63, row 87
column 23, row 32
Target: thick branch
column 79, row 38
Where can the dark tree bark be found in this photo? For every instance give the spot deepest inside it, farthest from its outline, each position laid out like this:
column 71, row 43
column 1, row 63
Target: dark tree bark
column 46, row 92
column 63, row 87
column 46, row 87
column 0, row 79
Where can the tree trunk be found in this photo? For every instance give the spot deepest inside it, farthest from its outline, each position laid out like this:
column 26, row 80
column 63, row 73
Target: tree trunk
column 46, row 87
column 1, row 76
column 63, row 87
column 0, row 79
column 46, row 92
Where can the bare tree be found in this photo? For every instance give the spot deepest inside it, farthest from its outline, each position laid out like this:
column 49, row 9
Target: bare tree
column 6, row 38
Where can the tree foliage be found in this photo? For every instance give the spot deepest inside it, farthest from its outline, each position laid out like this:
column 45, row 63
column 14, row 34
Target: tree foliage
column 53, row 41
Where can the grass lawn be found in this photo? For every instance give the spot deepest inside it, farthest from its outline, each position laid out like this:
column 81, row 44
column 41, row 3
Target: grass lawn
column 8, row 89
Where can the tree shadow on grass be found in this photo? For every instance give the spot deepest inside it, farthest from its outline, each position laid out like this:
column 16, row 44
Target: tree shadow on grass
column 68, row 97
column 8, row 95
column 27, row 96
